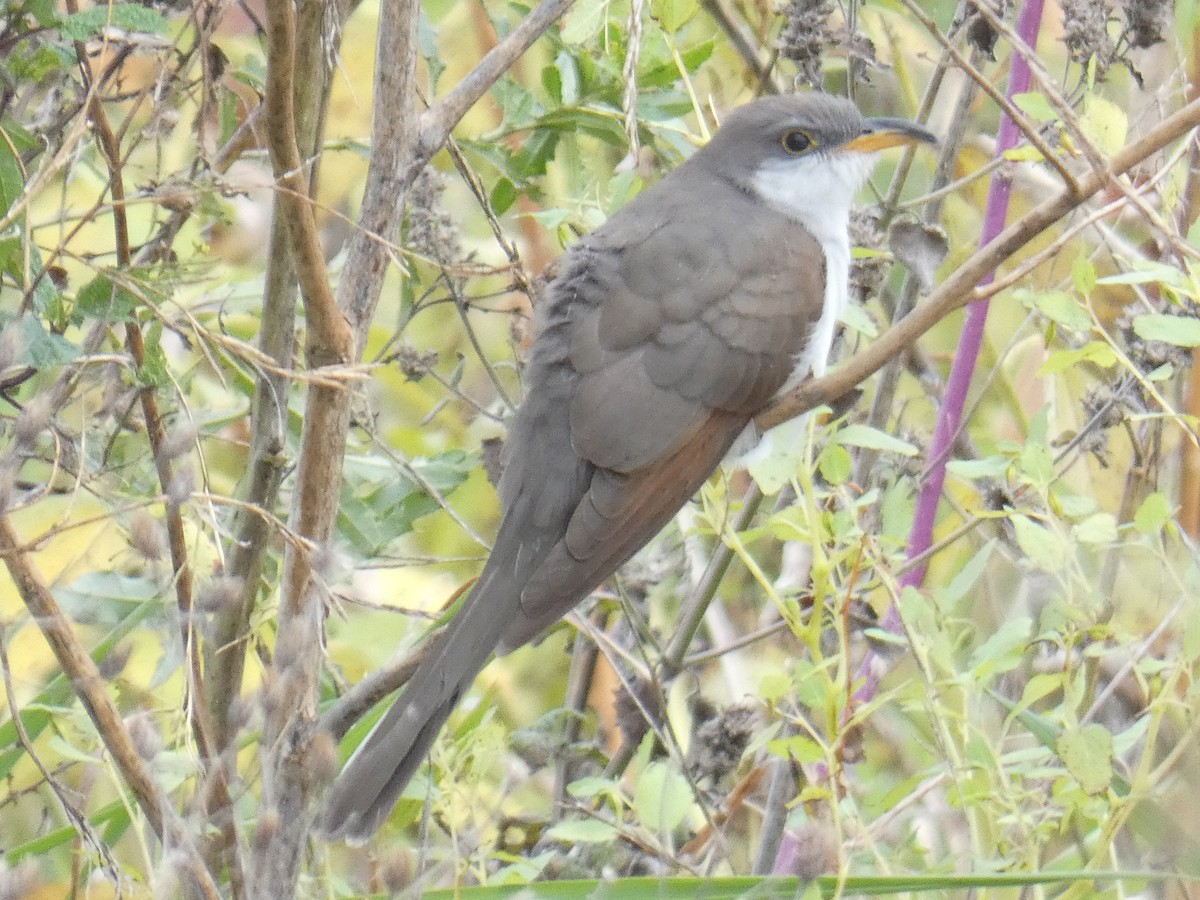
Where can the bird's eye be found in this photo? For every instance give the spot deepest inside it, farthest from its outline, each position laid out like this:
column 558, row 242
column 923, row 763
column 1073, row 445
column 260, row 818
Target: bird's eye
column 796, row 142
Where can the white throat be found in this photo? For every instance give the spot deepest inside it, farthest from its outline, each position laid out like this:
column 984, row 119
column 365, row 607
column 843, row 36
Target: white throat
column 818, row 192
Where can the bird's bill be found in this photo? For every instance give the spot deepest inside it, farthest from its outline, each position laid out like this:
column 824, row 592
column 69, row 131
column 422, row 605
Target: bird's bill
column 888, row 132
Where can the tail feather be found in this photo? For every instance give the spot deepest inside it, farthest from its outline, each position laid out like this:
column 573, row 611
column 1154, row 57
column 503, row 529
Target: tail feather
column 375, row 776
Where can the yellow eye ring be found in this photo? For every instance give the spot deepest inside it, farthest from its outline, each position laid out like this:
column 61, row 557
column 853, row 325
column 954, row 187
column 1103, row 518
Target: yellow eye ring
column 796, row 141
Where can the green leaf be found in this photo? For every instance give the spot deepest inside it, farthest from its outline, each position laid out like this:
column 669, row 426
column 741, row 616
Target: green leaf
column 966, row 577
column 592, row 786
column 662, row 798
column 583, row 831
column 1036, row 106
column 43, row 349
column 12, row 182
column 1062, row 309
column 859, row 435
column 989, row 467
column 104, row 598
column 1153, row 514
column 1104, row 123
column 672, row 15
column 126, row 16
column 105, row 300
column 1087, row 753
column 710, row 887
column 1083, row 275
column 1100, row 529
column 773, row 463
column 834, row 463
column 503, row 196
column 1037, row 465
column 568, row 77
column 1024, row 153
column 1002, row 651
column 379, row 504
column 774, row 686
column 797, row 747
column 1148, row 273
column 855, row 316
column 1095, row 352
column 1046, row 549
column 583, row 23
column 1179, row 331
column 44, row 11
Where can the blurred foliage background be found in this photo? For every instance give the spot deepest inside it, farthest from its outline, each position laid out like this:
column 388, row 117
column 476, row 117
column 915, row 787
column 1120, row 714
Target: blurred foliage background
column 1035, row 713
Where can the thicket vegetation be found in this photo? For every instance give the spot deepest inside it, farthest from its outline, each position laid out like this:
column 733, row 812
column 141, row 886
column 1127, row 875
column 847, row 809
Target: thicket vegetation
column 245, row 248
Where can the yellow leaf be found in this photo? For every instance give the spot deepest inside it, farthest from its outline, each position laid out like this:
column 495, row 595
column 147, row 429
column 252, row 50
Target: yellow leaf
column 1104, row 124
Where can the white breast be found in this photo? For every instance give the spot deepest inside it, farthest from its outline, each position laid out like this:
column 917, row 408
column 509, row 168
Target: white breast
column 817, row 191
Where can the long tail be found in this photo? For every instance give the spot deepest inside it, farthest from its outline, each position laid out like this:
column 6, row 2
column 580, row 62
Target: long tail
column 375, row 776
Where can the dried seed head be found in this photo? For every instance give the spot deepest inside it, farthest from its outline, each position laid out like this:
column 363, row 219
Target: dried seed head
column 322, row 757
column 431, row 231
column 1085, row 31
column 810, row 851
column 33, row 419
column 414, row 363
column 183, row 482
column 867, row 273
column 396, row 871
column 143, row 731
column 1148, row 22
column 113, row 663
column 219, row 594
column 492, row 452
column 8, row 485
column 1101, row 401
column 146, row 537
column 19, row 882
column 269, row 825
column 178, row 440
column 805, row 36
column 720, row 741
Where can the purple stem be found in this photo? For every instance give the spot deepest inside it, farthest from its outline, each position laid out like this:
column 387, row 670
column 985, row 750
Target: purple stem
column 950, row 415
column 971, row 339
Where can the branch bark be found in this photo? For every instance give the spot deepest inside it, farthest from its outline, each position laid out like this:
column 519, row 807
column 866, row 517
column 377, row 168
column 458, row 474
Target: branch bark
column 402, row 144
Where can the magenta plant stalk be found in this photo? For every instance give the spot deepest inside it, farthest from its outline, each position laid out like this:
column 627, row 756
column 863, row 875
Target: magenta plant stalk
column 957, row 385
column 971, row 339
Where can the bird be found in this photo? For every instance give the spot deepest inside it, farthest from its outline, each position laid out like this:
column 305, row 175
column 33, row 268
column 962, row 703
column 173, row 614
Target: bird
column 662, row 335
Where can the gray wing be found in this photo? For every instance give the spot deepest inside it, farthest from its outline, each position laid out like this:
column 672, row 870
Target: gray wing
column 668, row 337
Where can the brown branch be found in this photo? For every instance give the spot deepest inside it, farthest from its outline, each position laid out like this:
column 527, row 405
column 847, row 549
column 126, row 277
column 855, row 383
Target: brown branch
column 329, row 338
column 440, row 119
column 960, row 288
column 89, row 686
column 353, row 705
column 198, row 709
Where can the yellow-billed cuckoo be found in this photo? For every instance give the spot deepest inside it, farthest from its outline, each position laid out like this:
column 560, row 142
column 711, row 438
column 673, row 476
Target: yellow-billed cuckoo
column 665, row 331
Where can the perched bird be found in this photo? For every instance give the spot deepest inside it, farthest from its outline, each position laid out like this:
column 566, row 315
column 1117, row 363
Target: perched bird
column 663, row 334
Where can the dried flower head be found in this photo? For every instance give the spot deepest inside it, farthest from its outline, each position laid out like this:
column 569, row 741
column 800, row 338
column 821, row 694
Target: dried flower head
column 721, row 740
column 867, row 273
column 1085, row 32
column 431, row 230
column 1147, row 22
column 804, row 37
